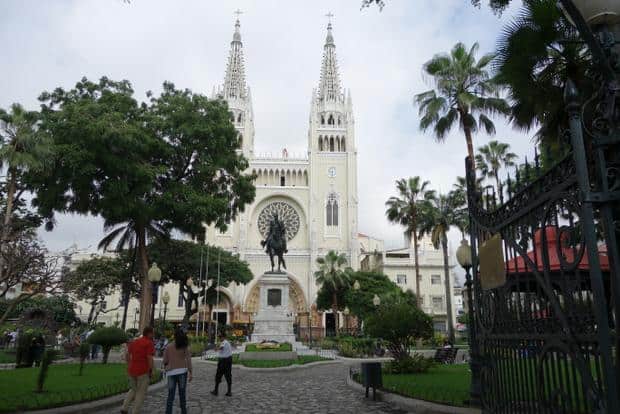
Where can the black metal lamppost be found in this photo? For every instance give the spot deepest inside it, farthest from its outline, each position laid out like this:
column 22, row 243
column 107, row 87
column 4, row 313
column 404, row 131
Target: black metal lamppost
column 154, row 277
column 463, row 256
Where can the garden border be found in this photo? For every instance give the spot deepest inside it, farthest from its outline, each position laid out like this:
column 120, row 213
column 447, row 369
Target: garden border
column 412, row 404
column 90, row 406
column 291, row 367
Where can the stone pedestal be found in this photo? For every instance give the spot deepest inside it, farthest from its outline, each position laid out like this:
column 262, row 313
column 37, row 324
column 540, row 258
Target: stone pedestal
column 274, row 321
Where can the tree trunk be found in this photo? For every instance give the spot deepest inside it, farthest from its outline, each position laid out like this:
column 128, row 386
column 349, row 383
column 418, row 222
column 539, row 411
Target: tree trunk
column 143, row 262
column 8, row 214
column 470, row 147
column 497, row 183
column 417, row 265
column 446, row 269
column 13, row 303
column 127, row 295
column 91, row 314
column 335, row 310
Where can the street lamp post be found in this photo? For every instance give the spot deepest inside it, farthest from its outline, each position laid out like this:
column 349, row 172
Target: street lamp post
column 165, row 298
column 346, row 319
column 154, row 277
column 463, row 256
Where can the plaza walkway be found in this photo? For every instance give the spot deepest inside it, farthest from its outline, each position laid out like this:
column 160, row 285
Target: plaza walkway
column 318, row 389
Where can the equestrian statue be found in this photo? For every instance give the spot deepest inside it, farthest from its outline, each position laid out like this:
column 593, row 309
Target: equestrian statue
column 275, row 243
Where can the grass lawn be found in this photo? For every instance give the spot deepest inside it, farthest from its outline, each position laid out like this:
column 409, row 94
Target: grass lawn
column 303, row 359
column 7, row 357
column 63, row 386
column 285, row 347
column 447, row 384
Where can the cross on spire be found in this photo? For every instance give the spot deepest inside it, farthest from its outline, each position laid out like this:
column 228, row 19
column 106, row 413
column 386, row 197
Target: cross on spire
column 329, row 16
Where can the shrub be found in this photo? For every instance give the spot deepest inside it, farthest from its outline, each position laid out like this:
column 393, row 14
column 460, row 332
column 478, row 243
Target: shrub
column 46, row 361
column 107, row 337
column 356, row 347
column 400, row 325
column 23, row 356
column 132, row 332
column 414, row 364
column 197, row 348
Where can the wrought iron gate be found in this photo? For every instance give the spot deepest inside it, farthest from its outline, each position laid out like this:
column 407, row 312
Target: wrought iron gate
column 546, row 298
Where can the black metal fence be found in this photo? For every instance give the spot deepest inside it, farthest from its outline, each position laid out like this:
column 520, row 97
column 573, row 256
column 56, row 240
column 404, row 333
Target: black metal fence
column 545, row 285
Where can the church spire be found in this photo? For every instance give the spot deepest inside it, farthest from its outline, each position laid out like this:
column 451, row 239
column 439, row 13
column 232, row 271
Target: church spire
column 329, row 86
column 234, row 82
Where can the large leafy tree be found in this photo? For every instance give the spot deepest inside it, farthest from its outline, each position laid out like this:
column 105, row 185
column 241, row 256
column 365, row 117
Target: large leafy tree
column 181, row 260
column 492, row 157
column 437, row 216
column 536, row 53
column 464, row 94
column 95, row 279
column 403, row 210
column 172, row 161
column 334, row 275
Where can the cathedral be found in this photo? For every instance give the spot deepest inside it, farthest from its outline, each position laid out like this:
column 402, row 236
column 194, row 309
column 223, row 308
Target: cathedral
column 315, row 195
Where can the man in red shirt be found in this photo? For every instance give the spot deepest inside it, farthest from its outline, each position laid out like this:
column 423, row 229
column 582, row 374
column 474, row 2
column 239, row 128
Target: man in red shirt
column 139, row 359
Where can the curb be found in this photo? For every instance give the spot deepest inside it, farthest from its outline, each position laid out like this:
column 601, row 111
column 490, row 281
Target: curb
column 90, row 406
column 292, row 367
column 411, row 404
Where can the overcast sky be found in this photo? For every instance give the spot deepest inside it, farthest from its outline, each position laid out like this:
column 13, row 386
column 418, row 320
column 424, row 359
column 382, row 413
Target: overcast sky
column 46, row 44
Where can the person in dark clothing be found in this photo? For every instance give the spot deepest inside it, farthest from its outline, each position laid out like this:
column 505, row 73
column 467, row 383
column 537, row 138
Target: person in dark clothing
column 224, row 365
column 37, row 349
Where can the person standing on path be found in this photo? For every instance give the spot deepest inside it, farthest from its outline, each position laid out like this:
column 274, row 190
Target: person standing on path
column 139, row 359
column 178, row 365
column 224, row 365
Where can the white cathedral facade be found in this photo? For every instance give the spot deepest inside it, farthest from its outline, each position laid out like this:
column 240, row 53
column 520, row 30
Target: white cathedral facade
column 315, row 196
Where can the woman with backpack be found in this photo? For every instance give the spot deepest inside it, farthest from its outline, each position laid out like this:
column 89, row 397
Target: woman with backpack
column 178, row 366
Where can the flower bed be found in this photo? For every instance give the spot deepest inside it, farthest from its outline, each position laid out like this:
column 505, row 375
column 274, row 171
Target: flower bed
column 269, row 347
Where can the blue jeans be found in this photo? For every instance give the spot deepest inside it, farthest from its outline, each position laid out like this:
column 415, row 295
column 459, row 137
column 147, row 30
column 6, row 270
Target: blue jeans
column 173, row 381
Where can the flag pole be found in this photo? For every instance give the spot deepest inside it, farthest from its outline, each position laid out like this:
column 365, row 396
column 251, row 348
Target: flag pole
column 204, row 298
column 217, row 295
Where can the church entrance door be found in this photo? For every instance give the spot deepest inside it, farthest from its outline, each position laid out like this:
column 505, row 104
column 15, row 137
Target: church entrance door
column 330, row 324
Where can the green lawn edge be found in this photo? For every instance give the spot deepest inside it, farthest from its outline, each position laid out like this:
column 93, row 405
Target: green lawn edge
column 63, row 386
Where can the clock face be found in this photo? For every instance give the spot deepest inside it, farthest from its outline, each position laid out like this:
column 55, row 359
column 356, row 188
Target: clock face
column 331, row 172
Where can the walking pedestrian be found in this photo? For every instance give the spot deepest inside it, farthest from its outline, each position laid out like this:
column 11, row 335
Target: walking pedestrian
column 139, row 368
column 178, row 365
column 224, row 365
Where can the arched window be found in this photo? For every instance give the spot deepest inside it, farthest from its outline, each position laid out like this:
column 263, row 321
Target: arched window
column 232, row 116
column 339, row 121
column 320, row 143
column 331, row 144
column 342, row 145
column 331, row 210
column 338, row 141
column 239, row 118
column 330, row 120
column 322, row 119
column 241, row 140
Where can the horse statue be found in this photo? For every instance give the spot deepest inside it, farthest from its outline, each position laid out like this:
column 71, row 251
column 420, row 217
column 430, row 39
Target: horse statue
column 275, row 243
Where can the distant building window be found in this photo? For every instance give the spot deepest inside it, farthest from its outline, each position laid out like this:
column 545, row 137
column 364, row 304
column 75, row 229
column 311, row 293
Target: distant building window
column 180, row 301
column 401, row 279
column 104, row 305
column 437, row 303
column 282, row 181
column 439, row 326
column 331, row 210
column 436, row 279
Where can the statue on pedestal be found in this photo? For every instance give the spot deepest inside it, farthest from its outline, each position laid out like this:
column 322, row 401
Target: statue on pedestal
column 275, row 243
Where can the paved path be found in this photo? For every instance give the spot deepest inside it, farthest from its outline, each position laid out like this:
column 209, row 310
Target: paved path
column 319, row 389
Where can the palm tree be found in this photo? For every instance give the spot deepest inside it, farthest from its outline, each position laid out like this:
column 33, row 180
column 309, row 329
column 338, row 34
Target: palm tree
column 126, row 236
column 535, row 56
column 22, row 150
column 335, row 276
column 403, row 210
column 492, row 157
column 437, row 215
column 463, row 91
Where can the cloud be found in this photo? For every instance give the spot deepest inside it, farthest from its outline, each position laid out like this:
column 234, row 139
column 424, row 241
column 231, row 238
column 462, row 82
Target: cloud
column 50, row 44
